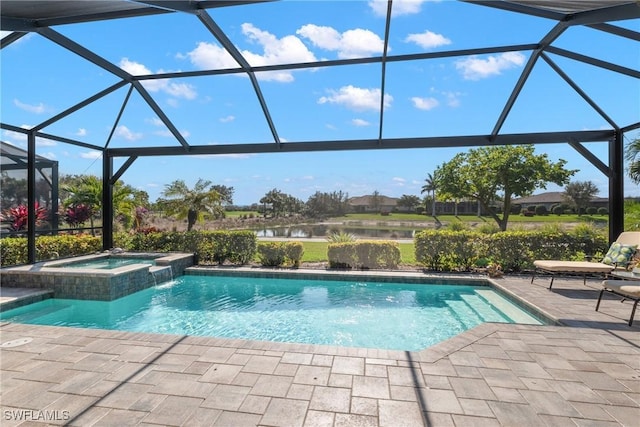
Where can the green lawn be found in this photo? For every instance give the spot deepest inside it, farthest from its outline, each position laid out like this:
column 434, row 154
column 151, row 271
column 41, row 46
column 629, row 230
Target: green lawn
column 236, row 214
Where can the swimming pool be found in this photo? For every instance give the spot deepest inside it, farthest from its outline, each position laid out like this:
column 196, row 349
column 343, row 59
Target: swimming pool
column 396, row 316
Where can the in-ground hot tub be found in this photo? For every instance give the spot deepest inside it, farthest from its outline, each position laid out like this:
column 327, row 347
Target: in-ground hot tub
column 102, row 277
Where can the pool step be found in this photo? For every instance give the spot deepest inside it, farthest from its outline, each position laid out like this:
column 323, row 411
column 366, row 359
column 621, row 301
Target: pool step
column 480, row 306
column 514, row 313
column 463, row 312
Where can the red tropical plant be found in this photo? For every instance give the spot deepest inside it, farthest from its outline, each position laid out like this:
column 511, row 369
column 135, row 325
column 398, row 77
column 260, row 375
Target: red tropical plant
column 77, row 215
column 19, row 216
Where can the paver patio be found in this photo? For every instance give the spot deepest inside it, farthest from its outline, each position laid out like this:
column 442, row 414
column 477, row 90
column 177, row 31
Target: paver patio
column 585, row 374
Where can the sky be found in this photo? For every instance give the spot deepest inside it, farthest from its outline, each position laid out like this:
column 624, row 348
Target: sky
column 422, row 98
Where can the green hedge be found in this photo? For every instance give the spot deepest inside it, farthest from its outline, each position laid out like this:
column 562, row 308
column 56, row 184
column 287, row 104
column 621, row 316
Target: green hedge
column 513, row 250
column 13, row 250
column 364, row 254
column 275, row 254
column 211, row 247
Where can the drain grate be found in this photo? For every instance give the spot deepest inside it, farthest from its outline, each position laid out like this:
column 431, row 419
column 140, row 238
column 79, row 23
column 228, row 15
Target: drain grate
column 16, row 343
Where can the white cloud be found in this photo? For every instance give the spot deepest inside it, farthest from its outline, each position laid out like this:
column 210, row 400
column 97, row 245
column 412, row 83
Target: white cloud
column 287, row 49
column 360, row 122
column 81, row 132
column 474, row 68
column 428, row 39
column 43, row 142
column 227, row 119
column 330, row 126
column 124, row 132
column 400, row 7
column 178, row 90
column 356, row 43
column 49, row 155
column 398, row 180
column 166, row 133
column 93, row 154
column 275, row 51
column 211, row 56
column 37, row 109
column 425, row 103
column 17, row 138
column 453, row 98
column 356, row 98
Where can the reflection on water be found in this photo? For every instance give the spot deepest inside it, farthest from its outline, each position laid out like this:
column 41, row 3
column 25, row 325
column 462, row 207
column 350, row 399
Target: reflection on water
column 321, row 230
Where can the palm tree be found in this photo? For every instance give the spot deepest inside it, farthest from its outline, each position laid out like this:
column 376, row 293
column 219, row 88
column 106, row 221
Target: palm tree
column 632, row 154
column 85, row 191
column 430, row 187
column 192, row 203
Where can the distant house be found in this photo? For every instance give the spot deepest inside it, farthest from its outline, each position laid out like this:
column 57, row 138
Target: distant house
column 553, row 198
column 371, row 203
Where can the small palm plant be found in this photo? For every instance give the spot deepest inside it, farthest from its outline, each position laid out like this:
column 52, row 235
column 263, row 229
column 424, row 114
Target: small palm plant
column 341, row 237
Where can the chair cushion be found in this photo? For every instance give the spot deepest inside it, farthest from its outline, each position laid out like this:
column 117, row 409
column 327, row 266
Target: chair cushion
column 573, row 266
column 619, row 254
column 626, row 287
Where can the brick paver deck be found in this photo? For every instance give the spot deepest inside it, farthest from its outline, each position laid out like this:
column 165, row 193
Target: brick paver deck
column 584, row 374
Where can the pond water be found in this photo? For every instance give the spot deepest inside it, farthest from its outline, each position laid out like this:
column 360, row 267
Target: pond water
column 323, row 230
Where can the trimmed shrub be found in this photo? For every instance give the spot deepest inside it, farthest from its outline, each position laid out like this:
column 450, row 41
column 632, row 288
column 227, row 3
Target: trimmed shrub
column 275, row 254
column 271, row 254
column 342, row 255
column 364, row 254
column 591, row 210
column 443, row 250
column 211, row 247
column 603, row 211
column 448, row 250
column 558, row 210
column 294, row 252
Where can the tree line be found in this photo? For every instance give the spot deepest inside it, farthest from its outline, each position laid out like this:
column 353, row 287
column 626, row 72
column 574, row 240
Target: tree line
column 493, row 176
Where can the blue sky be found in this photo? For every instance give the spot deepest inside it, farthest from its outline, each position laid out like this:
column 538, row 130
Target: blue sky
column 440, row 97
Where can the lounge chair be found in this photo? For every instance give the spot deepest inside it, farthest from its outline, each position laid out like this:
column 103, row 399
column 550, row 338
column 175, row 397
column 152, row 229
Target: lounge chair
column 607, row 265
column 627, row 289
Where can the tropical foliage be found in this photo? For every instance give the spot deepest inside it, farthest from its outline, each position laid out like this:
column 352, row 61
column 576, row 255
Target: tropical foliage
column 192, row 203
column 430, row 188
column 632, row 154
column 494, row 175
column 579, row 194
column 19, row 216
column 327, row 204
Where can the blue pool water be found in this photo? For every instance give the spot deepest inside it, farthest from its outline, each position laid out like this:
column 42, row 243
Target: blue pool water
column 361, row 314
column 108, row 263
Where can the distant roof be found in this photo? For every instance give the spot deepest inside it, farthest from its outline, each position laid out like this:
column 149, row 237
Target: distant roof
column 550, row 197
column 368, row 200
